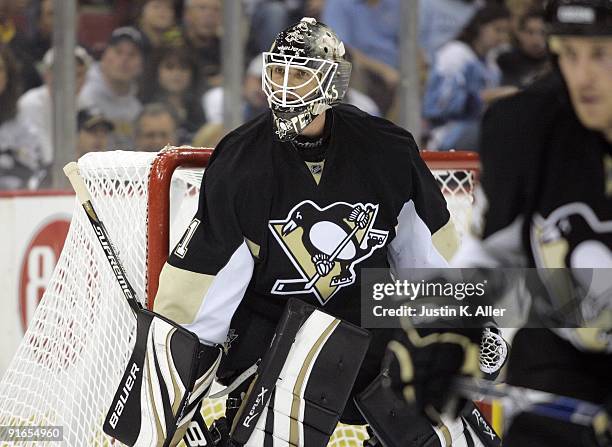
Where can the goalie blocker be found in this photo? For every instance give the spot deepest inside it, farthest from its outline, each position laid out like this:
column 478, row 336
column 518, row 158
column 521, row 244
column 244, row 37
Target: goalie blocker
column 167, row 376
column 303, row 382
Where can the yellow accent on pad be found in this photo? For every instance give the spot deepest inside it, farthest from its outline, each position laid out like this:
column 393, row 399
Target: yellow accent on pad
column 300, row 383
column 175, row 379
column 448, row 438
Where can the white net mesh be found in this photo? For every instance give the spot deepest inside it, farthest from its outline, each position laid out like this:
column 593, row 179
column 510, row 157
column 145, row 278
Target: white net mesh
column 71, row 359
column 457, row 186
column 72, row 356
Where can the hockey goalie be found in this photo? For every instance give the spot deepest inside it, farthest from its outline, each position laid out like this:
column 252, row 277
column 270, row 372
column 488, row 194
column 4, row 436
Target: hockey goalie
column 293, row 205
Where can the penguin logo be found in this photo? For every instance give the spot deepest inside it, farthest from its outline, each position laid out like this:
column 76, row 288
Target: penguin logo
column 572, row 236
column 283, row 127
column 325, row 245
column 573, row 248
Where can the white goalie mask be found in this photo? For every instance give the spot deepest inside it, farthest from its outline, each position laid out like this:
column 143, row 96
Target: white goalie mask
column 304, row 73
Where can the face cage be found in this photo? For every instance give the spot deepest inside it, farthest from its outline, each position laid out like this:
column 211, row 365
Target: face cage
column 320, row 70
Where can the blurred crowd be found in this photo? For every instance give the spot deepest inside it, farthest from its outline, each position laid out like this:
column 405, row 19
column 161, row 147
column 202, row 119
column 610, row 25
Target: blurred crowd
column 148, row 72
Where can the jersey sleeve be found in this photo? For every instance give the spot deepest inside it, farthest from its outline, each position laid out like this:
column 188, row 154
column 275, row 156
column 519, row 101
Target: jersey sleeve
column 208, row 271
column 421, row 217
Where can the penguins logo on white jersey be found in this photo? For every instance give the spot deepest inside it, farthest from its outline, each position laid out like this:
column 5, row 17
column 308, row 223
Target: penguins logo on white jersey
column 325, row 245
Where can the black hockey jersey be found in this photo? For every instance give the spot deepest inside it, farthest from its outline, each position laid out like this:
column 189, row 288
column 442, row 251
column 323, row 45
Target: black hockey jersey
column 266, row 229
column 547, row 184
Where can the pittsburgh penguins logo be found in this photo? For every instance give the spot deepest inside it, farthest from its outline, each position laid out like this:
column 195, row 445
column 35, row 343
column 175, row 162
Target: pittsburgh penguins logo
column 572, row 236
column 283, row 127
column 325, row 245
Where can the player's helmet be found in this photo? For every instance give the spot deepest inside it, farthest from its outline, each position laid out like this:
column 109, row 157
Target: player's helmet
column 580, row 17
column 304, row 73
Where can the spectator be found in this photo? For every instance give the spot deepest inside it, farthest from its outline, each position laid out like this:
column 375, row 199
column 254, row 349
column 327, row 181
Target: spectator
column 313, row 8
column 94, row 131
column 463, row 81
column 361, row 100
column 267, row 19
column 112, row 85
column 20, row 158
column 40, row 30
column 518, row 8
column 18, row 44
column 209, row 135
column 528, row 57
column 254, row 103
column 35, row 106
column 440, row 21
column 371, row 31
column 201, row 26
column 157, row 24
column 254, row 96
column 155, row 127
column 172, row 79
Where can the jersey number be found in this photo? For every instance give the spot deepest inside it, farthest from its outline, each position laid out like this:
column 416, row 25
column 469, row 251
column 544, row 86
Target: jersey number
column 181, row 248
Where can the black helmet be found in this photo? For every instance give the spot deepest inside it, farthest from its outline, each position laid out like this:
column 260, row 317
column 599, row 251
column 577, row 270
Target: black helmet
column 312, row 49
column 580, row 17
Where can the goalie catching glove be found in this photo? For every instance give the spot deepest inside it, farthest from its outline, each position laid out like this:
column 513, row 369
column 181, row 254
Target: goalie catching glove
column 168, row 375
column 424, row 362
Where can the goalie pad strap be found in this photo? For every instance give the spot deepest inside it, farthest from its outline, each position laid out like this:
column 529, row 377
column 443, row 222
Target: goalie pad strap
column 168, row 374
column 303, row 381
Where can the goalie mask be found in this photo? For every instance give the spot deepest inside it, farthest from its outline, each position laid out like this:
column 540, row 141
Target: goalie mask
column 304, row 73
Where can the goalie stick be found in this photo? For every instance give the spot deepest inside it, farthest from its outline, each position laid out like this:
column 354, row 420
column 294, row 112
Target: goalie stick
column 187, row 344
column 72, row 172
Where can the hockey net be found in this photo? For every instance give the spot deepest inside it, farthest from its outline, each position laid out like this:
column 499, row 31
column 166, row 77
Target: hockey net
column 73, row 353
